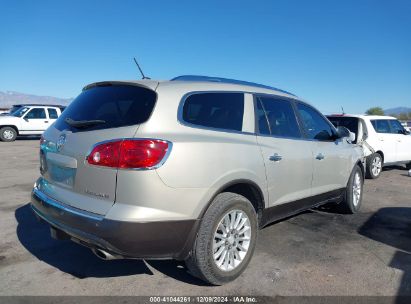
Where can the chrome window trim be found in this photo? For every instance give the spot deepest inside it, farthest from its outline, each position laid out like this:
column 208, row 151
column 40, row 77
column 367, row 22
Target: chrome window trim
column 44, row 198
column 170, row 147
column 183, row 100
column 182, row 122
column 194, row 126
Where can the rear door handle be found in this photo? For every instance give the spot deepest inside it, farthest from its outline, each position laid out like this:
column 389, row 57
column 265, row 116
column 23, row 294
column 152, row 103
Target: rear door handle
column 276, row 157
column 320, row 156
column 46, row 121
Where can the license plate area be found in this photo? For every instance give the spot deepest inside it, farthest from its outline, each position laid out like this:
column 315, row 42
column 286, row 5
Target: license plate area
column 62, row 175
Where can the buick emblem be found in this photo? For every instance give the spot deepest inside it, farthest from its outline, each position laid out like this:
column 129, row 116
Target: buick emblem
column 60, row 142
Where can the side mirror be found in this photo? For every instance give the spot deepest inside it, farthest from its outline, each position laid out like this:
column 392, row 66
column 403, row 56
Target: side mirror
column 343, row 132
column 352, row 137
column 26, row 119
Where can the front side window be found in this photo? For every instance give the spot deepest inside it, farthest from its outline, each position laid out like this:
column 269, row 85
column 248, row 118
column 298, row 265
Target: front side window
column 276, row 117
column 52, row 113
column 396, row 127
column 215, row 110
column 314, row 124
column 36, row 113
column 381, row 125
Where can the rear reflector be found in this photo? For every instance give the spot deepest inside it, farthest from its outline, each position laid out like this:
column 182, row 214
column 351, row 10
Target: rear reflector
column 129, row 153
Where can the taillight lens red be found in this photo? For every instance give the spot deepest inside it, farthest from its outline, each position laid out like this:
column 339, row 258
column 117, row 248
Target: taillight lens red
column 106, row 154
column 129, row 153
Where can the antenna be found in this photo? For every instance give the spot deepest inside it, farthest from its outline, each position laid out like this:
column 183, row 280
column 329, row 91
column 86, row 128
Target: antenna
column 342, row 109
column 141, row 71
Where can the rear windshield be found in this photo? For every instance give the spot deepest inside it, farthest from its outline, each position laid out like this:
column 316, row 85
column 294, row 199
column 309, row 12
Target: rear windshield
column 116, row 105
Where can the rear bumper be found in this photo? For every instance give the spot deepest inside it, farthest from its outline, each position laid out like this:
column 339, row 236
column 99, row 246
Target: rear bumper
column 123, row 239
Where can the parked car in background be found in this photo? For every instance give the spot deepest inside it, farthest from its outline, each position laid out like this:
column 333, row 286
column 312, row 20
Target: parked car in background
column 27, row 120
column 18, row 106
column 189, row 169
column 406, row 125
column 384, row 139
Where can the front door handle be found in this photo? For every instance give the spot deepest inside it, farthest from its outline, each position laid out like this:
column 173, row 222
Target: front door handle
column 276, row 157
column 320, row 156
column 46, row 121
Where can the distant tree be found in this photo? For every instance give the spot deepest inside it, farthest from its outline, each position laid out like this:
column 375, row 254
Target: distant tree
column 403, row 116
column 375, row 111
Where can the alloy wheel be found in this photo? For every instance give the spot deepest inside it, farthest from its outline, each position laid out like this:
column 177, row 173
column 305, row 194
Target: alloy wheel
column 231, row 240
column 356, row 189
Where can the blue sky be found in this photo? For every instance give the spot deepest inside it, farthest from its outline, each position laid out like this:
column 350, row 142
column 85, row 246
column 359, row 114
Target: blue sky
column 354, row 54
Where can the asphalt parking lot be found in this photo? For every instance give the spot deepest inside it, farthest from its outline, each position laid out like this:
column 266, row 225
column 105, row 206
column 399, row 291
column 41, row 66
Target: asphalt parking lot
column 315, row 253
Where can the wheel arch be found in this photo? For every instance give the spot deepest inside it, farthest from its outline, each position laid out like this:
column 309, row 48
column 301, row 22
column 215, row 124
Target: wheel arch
column 11, row 126
column 246, row 188
column 382, row 155
column 362, row 167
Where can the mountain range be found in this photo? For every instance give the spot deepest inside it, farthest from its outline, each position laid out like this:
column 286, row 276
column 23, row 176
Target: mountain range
column 397, row 111
column 9, row 98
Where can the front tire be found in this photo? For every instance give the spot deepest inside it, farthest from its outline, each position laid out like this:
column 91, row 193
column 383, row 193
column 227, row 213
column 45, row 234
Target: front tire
column 354, row 192
column 226, row 240
column 374, row 165
column 8, row 134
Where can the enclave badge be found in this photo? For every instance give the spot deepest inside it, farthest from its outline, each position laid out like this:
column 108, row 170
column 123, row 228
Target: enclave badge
column 60, row 142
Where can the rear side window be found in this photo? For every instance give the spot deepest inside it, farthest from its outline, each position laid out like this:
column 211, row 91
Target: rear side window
column 276, row 117
column 215, row 110
column 116, row 105
column 36, row 113
column 52, row 113
column 315, row 125
column 381, row 125
column 396, row 127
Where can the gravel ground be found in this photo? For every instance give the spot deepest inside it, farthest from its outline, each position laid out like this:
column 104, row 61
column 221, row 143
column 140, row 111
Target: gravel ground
column 317, row 252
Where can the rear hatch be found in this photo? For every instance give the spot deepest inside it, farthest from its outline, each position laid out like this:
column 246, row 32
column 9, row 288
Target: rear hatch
column 102, row 112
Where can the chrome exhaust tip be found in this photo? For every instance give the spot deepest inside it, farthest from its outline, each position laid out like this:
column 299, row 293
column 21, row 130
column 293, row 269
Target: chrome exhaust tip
column 104, row 255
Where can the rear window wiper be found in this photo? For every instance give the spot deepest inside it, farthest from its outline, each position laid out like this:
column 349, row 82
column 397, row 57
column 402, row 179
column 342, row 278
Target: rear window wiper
column 84, row 123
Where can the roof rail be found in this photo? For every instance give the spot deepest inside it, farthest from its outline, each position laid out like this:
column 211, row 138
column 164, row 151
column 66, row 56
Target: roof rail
column 37, row 104
column 226, row 80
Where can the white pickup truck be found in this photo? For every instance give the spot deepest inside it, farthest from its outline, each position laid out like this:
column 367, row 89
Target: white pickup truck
column 28, row 120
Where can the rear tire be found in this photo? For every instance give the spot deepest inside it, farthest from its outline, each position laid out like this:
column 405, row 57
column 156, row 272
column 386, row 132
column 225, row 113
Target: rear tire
column 408, row 166
column 354, row 192
column 374, row 165
column 226, row 240
column 8, row 134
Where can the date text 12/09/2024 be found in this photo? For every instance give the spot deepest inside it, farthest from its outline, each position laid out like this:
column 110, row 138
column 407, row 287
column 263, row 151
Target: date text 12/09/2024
column 204, row 299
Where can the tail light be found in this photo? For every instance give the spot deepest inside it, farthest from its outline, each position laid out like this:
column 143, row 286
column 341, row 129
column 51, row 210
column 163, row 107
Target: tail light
column 129, row 153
